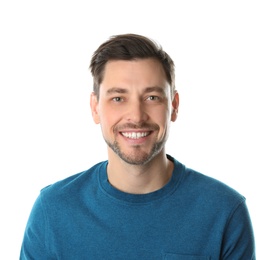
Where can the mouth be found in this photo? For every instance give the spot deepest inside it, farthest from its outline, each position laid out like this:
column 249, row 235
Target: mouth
column 135, row 135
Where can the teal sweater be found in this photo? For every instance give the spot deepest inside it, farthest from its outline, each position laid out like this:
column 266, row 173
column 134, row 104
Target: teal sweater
column 193, row 217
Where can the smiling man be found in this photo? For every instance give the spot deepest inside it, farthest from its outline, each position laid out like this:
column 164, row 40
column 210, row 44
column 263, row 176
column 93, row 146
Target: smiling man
column 141, row 203
column 135, row 108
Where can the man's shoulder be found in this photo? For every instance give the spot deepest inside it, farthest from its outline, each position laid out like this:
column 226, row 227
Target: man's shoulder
column 211, row 189
column 199, row 179
column 72, row 183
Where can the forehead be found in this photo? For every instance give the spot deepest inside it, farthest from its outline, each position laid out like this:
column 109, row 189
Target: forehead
column 139, row 71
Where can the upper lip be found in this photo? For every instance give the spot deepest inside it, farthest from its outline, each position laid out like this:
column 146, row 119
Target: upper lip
column 135, row 130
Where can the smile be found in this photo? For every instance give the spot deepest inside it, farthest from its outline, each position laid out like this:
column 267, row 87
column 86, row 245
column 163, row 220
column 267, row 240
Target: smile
column 135, row 135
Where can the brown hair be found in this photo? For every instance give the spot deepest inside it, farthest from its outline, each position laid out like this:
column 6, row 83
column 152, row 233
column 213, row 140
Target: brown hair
column 129, row 47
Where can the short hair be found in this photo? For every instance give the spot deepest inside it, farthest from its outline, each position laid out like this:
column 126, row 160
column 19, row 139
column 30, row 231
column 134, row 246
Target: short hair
column 129, row 47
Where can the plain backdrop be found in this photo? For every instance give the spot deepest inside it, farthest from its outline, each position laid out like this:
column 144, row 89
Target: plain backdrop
column 222, row 55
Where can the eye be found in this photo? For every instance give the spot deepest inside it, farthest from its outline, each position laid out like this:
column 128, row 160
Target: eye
column 153, row 98
column 117, row 99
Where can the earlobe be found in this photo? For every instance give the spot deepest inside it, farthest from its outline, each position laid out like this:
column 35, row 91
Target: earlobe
column 175, row 107
column 94, row 108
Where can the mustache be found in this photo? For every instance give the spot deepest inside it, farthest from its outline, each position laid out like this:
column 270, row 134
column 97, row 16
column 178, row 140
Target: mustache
column 142, row 126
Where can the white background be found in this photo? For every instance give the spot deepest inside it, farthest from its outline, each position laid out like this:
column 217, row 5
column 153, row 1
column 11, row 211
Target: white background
column 223, row 65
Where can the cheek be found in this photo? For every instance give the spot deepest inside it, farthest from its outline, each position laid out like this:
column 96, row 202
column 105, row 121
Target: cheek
column 162, row 119
column 161, row 116
column 108, row 118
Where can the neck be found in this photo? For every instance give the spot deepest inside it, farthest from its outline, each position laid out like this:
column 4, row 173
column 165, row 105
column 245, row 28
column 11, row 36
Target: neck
column 139, row 179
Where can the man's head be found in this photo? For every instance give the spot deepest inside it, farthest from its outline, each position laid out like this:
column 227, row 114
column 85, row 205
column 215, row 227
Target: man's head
column 134, row 99
column 129, row 47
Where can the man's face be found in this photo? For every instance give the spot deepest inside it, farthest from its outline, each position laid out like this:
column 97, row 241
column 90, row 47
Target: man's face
column 134, row 109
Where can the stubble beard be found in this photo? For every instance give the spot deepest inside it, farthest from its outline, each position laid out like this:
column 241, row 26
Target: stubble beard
column 137, row 156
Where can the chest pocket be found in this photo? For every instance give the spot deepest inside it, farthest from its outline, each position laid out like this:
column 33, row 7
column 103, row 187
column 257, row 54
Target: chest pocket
column 169, row 256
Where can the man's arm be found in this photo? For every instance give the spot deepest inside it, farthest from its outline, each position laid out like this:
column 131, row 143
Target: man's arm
column 34, row 241
column 238, row 242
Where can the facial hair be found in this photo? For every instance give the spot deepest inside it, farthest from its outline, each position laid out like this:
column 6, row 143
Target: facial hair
column 137, row 156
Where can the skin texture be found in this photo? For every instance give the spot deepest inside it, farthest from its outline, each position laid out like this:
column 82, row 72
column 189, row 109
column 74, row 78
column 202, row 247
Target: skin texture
column 135, row 109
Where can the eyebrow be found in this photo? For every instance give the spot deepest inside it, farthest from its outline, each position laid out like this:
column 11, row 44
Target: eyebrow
column 155, row 89
column 146, row 90
column 116, row 90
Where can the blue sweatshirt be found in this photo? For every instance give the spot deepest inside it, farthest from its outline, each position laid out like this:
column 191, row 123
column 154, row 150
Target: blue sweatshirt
column 192, row 217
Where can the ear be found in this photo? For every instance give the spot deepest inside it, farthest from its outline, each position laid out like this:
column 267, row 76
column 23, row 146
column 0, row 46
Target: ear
column 175, row 106
column 94, row 107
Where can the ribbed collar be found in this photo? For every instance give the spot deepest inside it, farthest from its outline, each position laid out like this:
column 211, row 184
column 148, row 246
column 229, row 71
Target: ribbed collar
column 123, row 197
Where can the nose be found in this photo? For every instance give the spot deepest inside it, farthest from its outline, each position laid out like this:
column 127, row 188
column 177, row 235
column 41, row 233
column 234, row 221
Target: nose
column 136, row 112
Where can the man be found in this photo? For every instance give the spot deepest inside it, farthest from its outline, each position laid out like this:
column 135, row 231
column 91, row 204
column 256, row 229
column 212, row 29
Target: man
column 141, row 203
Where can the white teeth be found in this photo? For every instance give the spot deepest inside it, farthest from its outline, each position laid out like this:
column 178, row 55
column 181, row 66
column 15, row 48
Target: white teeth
column 135, row 135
